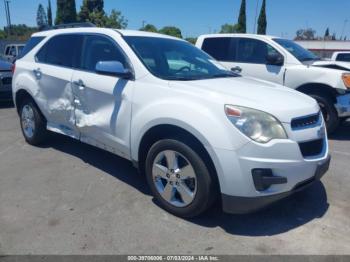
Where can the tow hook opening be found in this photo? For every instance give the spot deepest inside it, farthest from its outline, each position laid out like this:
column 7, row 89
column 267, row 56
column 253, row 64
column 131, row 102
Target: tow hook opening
column 264, row 179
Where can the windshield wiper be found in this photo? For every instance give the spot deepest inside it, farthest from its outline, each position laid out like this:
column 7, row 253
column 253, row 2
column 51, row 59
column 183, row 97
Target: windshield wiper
column 228, row 74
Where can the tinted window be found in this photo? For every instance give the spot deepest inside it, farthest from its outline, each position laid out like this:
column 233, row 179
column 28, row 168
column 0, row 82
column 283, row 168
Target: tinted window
column 175, row 59
column 33, row 42
column 253, row 51
column 61, row 50
column 7, row 51
column 221, row 48
column 343, row 57
column 296, row 50
column 99, row 48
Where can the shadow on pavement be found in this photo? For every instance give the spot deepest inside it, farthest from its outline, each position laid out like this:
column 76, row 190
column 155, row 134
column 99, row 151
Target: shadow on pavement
column 4, row 105
column 342, row 133
column 283, row 216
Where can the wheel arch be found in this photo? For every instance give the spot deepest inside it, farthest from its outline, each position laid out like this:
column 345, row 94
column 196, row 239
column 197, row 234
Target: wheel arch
column 320, row 89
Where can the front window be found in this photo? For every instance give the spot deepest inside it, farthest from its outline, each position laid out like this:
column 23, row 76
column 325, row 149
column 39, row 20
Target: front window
column 171, row 59
column 296, row 50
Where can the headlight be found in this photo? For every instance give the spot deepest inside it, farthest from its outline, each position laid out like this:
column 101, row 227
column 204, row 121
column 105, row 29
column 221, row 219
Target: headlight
column 257, row 125
column 346, row 80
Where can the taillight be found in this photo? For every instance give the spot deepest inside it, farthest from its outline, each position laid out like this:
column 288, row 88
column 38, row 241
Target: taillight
column 13, row 68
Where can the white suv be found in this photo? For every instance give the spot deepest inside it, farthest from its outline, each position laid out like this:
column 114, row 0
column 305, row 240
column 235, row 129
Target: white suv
column 286, row 63
column 196, row 130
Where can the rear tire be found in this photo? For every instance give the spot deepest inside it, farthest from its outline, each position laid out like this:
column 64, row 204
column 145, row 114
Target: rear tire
column 329, row 112
column 187, row 198
column 33, row 123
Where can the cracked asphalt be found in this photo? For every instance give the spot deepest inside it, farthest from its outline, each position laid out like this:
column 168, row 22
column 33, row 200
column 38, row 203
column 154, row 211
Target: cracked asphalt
column 70, row 198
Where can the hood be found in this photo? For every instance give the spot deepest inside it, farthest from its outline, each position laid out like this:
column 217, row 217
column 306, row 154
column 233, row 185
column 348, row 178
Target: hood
column 333, row 65
column 282, row 102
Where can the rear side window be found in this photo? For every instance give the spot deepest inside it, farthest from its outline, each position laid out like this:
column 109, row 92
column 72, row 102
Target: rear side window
column 61, row 50
column 99, row 48
column 33, row 42
column 221, row 48
column 343, row 57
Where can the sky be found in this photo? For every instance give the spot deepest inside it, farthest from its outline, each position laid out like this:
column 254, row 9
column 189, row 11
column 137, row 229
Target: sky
column 195, row 17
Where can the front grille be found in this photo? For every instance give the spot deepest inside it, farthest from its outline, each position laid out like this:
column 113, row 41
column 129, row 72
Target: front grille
column 312, row 148
column 7, row 81
column 305, row 122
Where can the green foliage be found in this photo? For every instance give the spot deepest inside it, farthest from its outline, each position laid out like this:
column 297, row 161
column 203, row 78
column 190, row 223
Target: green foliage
column 116, row 20
column 41, row 18
column 326, row 34
column 49, row 14
column 228, row 29
column 172, row 31
column 92, row 11
column 18, row 32
column 66, row 12
column 192, row 40
column 242, row 19
column 149, row 28
column 262, row 22
column 2, row 34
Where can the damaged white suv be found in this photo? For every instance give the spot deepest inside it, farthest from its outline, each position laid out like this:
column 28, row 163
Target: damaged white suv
column 197, row 131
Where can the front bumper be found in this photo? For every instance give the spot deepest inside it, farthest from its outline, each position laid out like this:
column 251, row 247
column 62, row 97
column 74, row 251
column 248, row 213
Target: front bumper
column 343, row 105
column 243, row 205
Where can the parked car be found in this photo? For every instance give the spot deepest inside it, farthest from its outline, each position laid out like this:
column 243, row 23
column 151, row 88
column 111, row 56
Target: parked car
column 12, row 51
column 5, row 81
column 286, row 63
column 341, row 56
column 197, row 130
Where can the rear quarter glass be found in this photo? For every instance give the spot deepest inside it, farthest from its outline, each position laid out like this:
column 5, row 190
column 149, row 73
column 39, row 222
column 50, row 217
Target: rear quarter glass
column 33, row 42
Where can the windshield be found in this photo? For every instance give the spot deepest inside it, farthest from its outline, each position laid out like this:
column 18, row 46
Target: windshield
column 296, row 50
column 171, row 59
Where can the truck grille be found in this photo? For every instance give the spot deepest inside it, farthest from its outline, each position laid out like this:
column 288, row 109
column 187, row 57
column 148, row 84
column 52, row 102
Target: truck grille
column 305, row 122
column 7, row 81
column 311, row 148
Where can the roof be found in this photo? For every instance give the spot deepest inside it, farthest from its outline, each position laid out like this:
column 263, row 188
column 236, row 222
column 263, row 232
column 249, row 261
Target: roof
column 101, row 30
column 268, row 37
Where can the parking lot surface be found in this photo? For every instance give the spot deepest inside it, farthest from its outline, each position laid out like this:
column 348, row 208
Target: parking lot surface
column 70, row 198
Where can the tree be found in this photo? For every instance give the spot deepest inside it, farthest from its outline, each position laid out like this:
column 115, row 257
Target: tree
column 84, row 12
column 66, row 12
column 41, row 18
column 306, row 34
column 334, row 37
column 116, row 20
column 242, row 19
column 262, row 22
column 149, row 28
column 192, row 40
column 49, row 14
column 171, row 30
column 228, row 29
column 326, row 34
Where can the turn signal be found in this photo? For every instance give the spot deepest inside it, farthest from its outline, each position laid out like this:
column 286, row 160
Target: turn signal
column 346, row 80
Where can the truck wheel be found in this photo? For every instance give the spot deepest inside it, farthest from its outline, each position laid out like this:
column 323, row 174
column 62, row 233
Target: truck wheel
column 33, row 123
column 179, row 179
column 329, row 112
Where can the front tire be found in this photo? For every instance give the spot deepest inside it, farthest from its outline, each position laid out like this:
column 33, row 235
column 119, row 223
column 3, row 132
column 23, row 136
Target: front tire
column 329, row 112
column 179, row 179
column 33, row 123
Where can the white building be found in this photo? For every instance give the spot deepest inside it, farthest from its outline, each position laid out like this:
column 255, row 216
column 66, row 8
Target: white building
column 325, row 49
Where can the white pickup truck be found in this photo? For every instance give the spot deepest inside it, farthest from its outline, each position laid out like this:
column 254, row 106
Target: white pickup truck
column 284, row 62
column 341, row 56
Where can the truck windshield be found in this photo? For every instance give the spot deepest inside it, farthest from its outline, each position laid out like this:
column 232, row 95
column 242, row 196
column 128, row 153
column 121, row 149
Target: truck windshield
column 172, row 59
column 296, row 50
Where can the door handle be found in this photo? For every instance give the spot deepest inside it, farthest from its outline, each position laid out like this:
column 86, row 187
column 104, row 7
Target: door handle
column 80, row 84
column 236, row 69
column 37, row 73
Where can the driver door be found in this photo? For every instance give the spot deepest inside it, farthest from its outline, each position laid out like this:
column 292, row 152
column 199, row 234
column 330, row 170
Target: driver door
column 102, row 102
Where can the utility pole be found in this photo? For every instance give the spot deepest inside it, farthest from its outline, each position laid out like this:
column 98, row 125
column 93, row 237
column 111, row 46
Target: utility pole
column 8, row 15
column 342, row 33
column 143, row 23
column 256, row 16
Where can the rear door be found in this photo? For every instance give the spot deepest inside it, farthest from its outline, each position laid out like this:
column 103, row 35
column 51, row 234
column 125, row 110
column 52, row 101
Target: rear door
column 103, row 102
column 53, row 72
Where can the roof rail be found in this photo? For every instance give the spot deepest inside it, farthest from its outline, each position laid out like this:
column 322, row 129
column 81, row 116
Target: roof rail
column 71, row 25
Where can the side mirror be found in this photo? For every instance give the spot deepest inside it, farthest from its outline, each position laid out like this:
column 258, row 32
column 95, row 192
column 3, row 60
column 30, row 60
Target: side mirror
column 275, row 59
column 113, row 68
